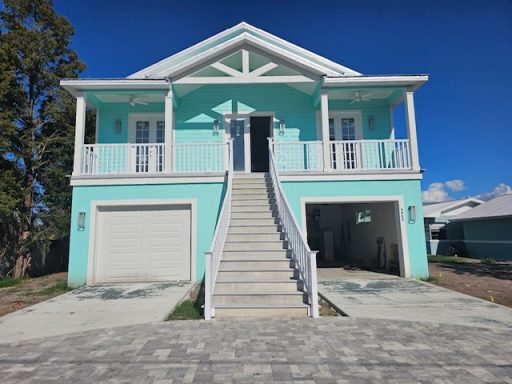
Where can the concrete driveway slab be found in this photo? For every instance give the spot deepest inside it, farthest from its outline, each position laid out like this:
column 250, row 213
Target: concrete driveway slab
column 94, row 307
column 412, row 300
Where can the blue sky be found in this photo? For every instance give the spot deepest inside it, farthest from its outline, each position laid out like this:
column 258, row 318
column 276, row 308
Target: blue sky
column 464, row 113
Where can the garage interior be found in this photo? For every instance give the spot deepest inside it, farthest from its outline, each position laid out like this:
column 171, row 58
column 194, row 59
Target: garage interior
column 355, row 235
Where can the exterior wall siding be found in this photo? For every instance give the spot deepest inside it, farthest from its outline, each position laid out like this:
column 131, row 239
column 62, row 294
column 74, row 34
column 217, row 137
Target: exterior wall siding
column 208, row 199
column 408, row 189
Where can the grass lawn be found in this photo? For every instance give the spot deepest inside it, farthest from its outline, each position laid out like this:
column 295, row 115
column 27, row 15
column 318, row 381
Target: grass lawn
column 448, row 259
column 16, row 294
column 191, row 307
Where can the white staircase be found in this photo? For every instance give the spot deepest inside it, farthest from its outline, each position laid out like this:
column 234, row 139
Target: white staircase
column 256, row 275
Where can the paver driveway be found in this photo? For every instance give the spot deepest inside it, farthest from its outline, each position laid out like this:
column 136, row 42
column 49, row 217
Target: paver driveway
column 325, row 350
column 101, row 306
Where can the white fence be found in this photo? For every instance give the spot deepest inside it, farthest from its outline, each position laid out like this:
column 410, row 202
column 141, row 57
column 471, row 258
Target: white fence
column 305, row 259
column 214, row 255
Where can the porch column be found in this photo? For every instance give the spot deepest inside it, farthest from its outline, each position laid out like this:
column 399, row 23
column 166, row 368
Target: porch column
column 324, row 107
column 79, row 134
column 169, row 119
column 410, row 120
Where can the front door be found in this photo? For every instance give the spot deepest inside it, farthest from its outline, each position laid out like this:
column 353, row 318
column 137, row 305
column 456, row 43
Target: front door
column 237, row 130
column 148, row 153
column 260, row 131
column 345, row 127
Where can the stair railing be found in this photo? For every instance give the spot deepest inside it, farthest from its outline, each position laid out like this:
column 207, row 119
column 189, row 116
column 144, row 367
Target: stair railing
column 214, row 255
column 304, row 257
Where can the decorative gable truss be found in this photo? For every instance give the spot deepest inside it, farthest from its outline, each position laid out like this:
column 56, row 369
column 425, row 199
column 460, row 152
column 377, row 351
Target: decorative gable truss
column 244, row 67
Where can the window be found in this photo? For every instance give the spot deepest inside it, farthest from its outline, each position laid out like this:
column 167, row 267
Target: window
column 348, row 128
column 332, row 132
column 160, row 131
column 363, row 216
column 142, row 132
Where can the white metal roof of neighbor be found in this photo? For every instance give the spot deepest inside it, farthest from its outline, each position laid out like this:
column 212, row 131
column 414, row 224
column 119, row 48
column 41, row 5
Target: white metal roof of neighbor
column 499, row 207
column 443, row 209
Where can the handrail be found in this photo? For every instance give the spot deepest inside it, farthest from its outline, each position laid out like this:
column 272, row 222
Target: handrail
column 304, row 257
column 214, row 255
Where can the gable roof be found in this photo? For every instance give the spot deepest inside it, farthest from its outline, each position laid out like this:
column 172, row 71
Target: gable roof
column 499, row 207
column 443, row 209
column 235, row 38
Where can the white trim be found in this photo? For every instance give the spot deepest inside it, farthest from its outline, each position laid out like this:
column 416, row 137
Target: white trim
column 181, row 57
column 401, row 233
column 96, row 204
column 97, row 128
column 412, row 81
column 333, row 176
column 80, row 119
column 147, row 180
column 264, row 69
column 227, row 70
column 244, row 80
column 77, row 87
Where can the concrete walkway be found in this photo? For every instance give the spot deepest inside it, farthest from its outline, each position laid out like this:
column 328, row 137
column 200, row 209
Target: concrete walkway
column 322, row 351
column 375, row 296
column 93, row 308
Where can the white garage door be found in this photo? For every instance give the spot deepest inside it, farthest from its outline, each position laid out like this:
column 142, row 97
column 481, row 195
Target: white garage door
column 142, row 244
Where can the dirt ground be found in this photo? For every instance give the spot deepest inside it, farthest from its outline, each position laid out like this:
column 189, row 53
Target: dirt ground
column 30, row 291
column 488, row 282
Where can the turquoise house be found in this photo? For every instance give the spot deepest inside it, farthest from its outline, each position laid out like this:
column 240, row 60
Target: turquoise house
column 154, row 195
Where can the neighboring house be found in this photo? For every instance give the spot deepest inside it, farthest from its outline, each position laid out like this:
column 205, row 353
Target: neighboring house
column 440, row 232
column 488, row 229
column 212, row 147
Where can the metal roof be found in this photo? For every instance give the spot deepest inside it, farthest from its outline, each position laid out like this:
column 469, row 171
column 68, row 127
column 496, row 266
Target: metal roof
column 443, row 209
column 499, row 207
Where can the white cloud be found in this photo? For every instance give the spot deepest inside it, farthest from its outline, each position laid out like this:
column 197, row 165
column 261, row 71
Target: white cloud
column 500, row 190
column 456, row 185
column 435, row 193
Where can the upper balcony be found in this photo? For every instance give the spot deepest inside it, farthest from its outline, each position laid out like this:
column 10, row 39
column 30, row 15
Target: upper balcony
column 148, row 129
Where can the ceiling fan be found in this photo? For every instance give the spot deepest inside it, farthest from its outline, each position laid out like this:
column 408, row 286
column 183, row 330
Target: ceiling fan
column 136, row 100
column 359, row 96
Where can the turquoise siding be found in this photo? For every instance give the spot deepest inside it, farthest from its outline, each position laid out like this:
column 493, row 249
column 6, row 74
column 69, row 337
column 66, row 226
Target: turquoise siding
column 409, row 189
column 208, row 197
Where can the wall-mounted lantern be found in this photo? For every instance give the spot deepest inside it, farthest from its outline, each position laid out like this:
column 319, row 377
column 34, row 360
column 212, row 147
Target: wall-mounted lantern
column 282, row 127
column 371, row 123
column 412, row 213
column 81, row 221
column 215, row 127
column 117, row 126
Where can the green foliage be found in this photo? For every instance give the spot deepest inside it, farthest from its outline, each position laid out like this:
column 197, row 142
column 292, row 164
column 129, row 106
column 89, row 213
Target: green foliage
column 36, row 126
column 10, row 282
column 187, row 310
column 488, row 261
column 446, row 259
column 55, row 289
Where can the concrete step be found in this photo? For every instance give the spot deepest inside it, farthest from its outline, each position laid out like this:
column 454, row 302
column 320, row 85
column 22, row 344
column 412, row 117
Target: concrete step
column 244, row 190
column 268, row 274
column 259, row 298
column 253, row 215
column 255, row 264
column 261, row 229
column 252, row 208
column 255, row 246
column 241, row 237
column 252, row 222
column 282, row 254
column 250, row 182
column 244, row 202
column 258, row 285
column 266, row 310
column 251, row 196
column 245, row 176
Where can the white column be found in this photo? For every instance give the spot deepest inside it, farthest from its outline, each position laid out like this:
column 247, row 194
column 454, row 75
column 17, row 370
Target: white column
column 79, row 134
column 410, row 120
column 324, row 107
column 169, row 125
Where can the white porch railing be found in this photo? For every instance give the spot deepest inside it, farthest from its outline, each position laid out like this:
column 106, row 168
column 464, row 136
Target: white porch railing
column 298, row 155
column 105, row 159
column 305, row 259
column 213, row 256
column 355, row 155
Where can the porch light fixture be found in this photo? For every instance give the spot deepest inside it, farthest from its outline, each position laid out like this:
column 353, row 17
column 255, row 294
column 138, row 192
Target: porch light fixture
column 215, row 127
column 81, row 221
column 371, row 123
column 412, row 213
column 117, row 127
column 282, row 127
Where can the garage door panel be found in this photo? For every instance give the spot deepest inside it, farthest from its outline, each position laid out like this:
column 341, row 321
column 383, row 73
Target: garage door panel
column 143, row 244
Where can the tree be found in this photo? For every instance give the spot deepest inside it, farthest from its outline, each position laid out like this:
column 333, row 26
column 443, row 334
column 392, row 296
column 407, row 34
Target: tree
column 36, row 128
